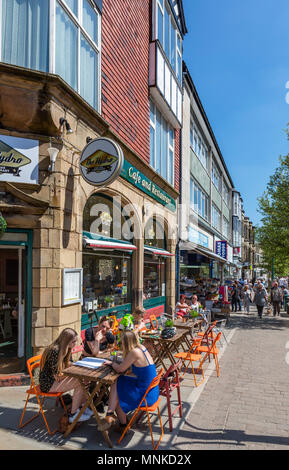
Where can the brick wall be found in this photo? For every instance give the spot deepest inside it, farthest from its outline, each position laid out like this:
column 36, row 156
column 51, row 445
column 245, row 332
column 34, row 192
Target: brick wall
column 177, row 159
column 125, row 56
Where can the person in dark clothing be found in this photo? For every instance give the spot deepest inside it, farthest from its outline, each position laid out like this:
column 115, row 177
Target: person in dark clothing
column 235, row 295
column 98, row 338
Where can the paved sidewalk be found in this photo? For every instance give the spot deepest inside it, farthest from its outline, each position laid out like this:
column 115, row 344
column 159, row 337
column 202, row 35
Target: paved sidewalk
column 247, row 407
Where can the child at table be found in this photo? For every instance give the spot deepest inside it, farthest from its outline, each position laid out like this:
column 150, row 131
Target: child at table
column 127, row 392
column 54, row 360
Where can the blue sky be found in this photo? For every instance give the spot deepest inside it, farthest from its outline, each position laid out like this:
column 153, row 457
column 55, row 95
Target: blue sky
column 237, row 52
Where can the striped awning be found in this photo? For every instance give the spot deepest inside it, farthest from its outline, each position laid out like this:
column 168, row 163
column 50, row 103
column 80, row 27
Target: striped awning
column 157, row 251
column 98, row 242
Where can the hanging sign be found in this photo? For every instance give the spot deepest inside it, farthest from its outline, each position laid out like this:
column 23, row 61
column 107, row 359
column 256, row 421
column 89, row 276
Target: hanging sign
column 101, row 161
column 19, row 160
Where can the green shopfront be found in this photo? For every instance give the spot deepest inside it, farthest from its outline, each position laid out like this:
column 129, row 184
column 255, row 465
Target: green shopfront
column 127, row 258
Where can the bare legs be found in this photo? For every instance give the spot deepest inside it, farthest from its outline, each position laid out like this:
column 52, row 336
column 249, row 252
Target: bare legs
column 67, row 384
column 114, row 406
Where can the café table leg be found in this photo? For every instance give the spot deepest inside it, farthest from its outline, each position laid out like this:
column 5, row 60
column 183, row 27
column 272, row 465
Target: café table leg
column 86, row 404
column 96, row 415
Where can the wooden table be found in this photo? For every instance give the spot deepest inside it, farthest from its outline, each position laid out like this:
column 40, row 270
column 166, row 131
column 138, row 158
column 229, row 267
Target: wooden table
column 165, row 348
column 103, row 377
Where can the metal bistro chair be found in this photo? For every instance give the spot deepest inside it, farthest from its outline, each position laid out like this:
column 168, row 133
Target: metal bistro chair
column 34, row 389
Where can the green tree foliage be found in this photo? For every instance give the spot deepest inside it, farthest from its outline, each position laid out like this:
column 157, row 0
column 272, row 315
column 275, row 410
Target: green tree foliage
column 273, row 235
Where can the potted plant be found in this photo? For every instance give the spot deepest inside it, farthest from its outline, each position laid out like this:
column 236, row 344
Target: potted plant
column 3, row 225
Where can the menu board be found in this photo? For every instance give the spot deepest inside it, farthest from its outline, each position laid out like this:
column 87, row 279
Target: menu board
column 72, row 286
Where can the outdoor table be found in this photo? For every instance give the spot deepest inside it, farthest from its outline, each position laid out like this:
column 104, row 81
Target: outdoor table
column 165, row 348
column 188, row 327
column 103, row 377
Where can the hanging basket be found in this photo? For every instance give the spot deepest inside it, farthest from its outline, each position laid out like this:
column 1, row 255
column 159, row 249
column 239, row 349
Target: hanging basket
column 3, row 225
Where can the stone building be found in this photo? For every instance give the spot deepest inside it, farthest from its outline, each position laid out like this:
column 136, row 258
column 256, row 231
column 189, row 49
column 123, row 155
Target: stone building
column 86, row 71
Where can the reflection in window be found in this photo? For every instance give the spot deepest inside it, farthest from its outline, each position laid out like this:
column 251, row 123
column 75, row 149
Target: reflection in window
column 154, row 277
column 106, row 281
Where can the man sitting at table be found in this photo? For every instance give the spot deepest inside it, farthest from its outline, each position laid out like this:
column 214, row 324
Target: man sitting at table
column 98, row 339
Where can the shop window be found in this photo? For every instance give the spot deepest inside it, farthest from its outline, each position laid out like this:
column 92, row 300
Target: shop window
column 105, row 216
column 154, row 277
column 106, row 274
column 106, row 281
column 154, row 265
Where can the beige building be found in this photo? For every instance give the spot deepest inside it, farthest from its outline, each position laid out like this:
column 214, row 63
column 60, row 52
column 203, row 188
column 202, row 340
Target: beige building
column 45, row 244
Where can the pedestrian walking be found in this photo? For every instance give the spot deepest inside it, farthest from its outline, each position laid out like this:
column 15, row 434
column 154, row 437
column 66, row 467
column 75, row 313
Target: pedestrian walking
column 247, row 298
column 260, row 299
column 276, row 298
column 235, row 296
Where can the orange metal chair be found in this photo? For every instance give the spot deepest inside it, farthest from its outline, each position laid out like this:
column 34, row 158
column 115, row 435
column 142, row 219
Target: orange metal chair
column 168, row 384
column 114, row 325
column 32, row 364
column 191, row 356
column 148, row 409
column 211, row 350
column 153, row 319
column 209, row 334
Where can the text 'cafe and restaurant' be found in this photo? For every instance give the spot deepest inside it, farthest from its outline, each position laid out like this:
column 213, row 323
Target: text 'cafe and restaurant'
column 88, row 229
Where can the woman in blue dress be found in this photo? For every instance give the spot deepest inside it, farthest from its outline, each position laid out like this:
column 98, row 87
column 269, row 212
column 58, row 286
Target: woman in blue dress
column 127, row 392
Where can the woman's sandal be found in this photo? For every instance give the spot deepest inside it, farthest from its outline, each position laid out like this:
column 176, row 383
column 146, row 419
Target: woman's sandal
column 107, row 422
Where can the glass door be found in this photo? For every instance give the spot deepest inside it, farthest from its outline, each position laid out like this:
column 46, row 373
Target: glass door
column 12, row 308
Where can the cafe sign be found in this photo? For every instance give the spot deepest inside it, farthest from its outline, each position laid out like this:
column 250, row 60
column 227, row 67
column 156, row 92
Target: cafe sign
column 101, row 161
column 140, row 181
column 19, row 160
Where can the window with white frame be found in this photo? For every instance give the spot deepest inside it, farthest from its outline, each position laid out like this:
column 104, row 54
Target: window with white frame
column 226, row 228
column 226, row 194
column 57, row 36
column 216, row 177
column 199, row 200
column 216, row 218
column 162, row 145
column 198, row 146
column 168, row 35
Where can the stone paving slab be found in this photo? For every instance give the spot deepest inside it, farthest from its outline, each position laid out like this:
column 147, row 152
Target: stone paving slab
column 247, row 407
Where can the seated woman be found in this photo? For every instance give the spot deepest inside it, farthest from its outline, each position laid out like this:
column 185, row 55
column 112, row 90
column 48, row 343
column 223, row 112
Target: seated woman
column 139, row 324
column 55, row 358
column 98, row 338
column 127, row 392
column 182, row 306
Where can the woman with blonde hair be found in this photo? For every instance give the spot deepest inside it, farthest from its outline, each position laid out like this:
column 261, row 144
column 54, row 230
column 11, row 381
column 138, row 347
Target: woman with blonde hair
column 127, row 392
column 54, row 360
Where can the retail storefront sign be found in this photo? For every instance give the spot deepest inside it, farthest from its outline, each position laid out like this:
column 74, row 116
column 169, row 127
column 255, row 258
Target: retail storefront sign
column 222, row 249
column 19, row 159
column 101, row 161
column 197, row 237
column 139, row 180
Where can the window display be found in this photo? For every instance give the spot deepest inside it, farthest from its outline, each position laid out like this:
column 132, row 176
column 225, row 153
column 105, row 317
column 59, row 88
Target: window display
column 106, row 281
column 154, row 277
